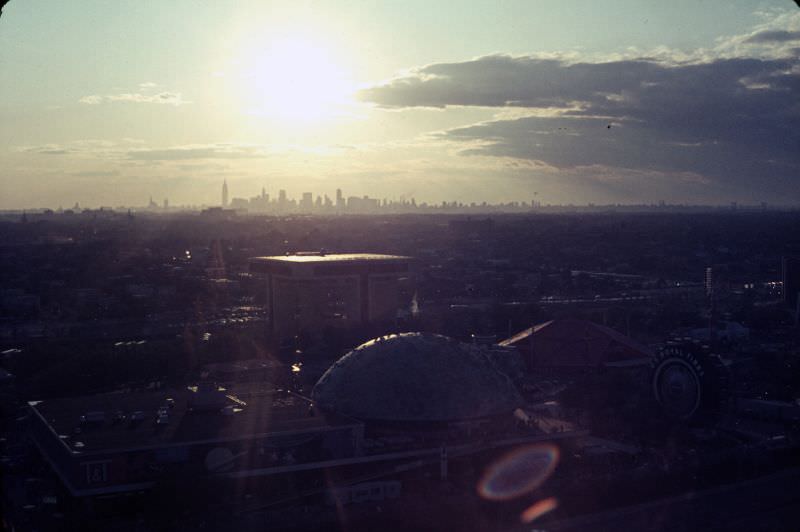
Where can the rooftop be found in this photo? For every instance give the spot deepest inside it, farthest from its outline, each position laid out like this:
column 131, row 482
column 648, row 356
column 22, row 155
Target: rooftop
column 112, row 425
column 575, row 342
column 311, row 257
column 416, row 377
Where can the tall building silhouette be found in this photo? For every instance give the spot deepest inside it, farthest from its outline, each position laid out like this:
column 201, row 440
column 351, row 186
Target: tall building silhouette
column 307, row 201
column 225, row 193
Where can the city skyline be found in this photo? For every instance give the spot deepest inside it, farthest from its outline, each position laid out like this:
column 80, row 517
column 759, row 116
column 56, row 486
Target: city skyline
column 309, row 202
column 358, row 265
column 690, row 104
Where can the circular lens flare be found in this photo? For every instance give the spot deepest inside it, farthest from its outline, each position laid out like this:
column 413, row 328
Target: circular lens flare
column 518, row 472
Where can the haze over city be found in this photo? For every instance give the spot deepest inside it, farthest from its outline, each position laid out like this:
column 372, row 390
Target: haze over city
column 351, row 265
column 111, row 103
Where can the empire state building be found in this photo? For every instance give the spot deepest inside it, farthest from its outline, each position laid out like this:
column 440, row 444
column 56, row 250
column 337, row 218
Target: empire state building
column 225, row 193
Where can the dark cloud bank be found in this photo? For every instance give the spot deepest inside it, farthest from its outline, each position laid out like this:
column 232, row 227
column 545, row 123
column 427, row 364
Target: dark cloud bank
column 734, row 122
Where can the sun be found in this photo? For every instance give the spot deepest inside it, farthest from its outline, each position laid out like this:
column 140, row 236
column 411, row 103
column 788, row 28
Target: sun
column 295, row 79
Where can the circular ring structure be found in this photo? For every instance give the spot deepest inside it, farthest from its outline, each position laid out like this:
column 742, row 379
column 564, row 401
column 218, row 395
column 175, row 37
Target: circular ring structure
column 676, row 385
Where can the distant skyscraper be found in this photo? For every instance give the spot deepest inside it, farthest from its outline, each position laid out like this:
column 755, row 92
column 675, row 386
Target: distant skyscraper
column 307, row 202
column 339, row 199
column 225, row 193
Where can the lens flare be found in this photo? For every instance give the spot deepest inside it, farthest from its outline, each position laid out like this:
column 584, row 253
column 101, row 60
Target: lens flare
column 518, row 472
column 539, row 509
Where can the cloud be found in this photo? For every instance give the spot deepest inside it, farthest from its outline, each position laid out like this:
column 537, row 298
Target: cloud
column 233, row 150
column 732, row 121
column 85, row 148
column 168, row 98
column 136, row 151
column 93, row 99
column 95, row 173
column 201, row 151
column 774, row 36
column 541, row 83
column 46, row 149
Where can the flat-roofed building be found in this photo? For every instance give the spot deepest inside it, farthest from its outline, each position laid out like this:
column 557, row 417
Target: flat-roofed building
column 125, row 442
column 307, row 292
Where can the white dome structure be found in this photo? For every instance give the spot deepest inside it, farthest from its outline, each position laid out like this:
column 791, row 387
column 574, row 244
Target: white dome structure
column 416, row 377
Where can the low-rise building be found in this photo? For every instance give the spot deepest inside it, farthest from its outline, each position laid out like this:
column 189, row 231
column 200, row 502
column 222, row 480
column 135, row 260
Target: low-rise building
column 126, row 442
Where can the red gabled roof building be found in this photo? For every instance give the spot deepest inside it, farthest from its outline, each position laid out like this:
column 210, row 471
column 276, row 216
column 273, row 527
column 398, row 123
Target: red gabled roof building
column 575, row 343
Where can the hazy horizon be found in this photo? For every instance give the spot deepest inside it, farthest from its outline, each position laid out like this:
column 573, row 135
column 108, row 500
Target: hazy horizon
column 110, row 104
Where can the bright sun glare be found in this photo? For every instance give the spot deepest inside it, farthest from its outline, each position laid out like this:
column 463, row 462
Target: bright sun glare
column 295, row 80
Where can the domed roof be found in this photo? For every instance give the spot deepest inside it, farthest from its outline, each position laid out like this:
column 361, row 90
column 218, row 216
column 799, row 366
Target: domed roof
column 416, row 377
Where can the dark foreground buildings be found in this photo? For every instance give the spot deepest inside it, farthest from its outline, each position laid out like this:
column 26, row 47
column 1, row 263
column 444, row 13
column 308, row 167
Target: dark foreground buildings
column 380, row 420
column 212, row 425
column 790, row 276
column 126, row 442
column 399, row 433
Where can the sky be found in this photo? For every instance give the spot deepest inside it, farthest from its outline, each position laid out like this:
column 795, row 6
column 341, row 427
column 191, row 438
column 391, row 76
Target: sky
column 110, row 103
